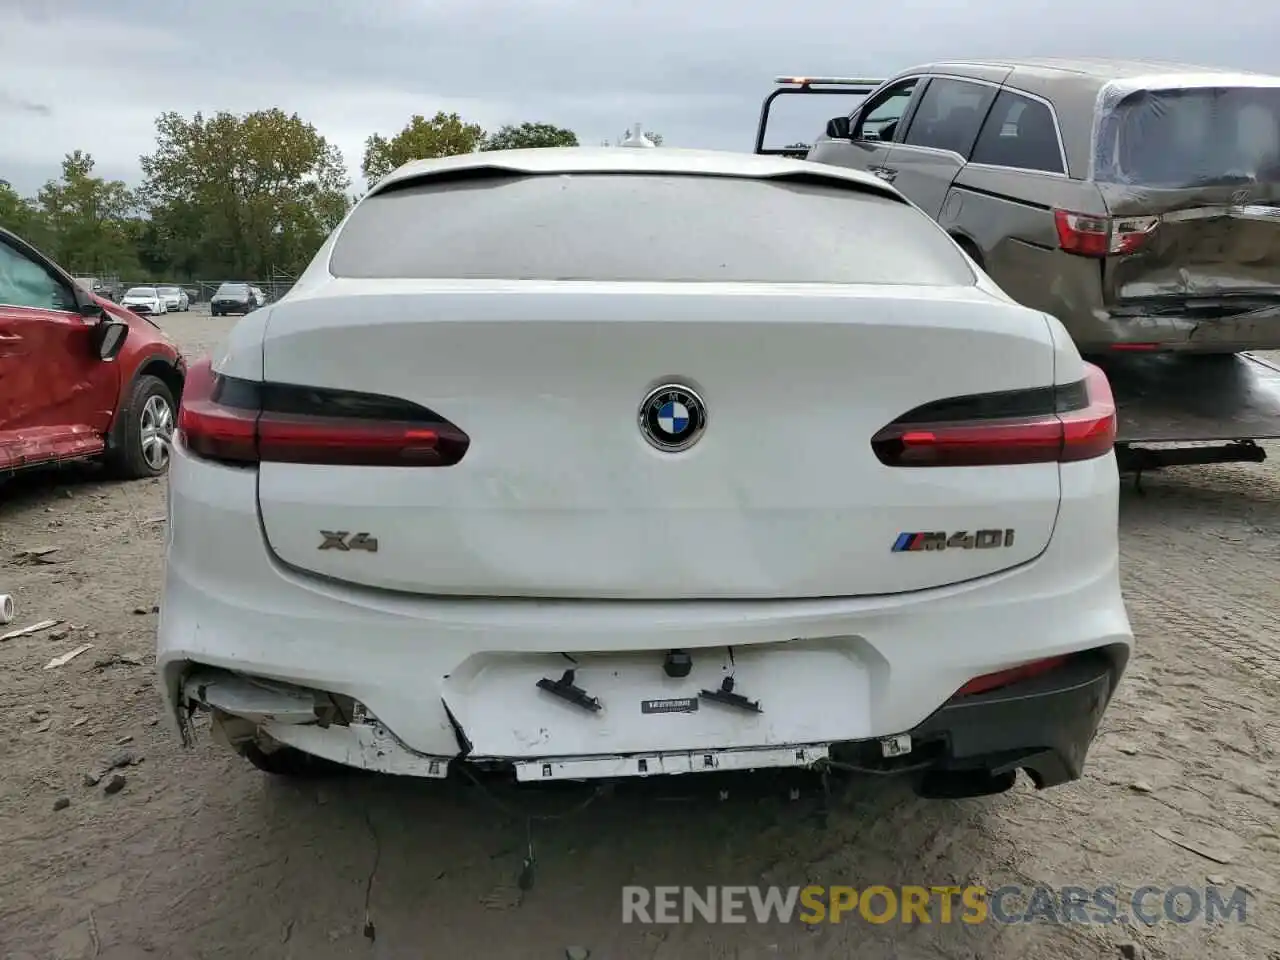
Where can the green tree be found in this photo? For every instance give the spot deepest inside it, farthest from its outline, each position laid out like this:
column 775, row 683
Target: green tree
column 242, row 195
column 85, row 216
column 530, row 135
column 655, row 137
column 153, row 254
column 22, row 216
column 444, row 135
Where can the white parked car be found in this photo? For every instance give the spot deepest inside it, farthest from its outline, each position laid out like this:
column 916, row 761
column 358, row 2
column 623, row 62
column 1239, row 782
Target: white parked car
column 593, row 463
column 175, row 298
column 146, row 300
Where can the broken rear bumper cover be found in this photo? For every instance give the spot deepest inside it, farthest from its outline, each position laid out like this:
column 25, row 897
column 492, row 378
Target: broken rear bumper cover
column 1043, row 726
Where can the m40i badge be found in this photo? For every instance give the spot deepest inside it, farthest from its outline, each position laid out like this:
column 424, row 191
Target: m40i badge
column 914, row 541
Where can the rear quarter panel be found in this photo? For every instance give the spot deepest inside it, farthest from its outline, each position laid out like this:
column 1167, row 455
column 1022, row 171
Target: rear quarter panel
column 1008, row 216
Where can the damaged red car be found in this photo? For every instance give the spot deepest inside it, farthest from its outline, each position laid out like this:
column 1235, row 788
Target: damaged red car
column 80, row 377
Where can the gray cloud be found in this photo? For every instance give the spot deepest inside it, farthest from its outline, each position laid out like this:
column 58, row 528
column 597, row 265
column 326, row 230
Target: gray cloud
column 696, row 71
column 8, row 103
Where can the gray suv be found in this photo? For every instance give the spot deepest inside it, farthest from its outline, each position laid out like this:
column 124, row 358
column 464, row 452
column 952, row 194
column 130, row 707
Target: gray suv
column 1138, row 202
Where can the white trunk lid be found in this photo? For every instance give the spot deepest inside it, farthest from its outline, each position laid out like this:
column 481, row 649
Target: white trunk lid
column 560, row 495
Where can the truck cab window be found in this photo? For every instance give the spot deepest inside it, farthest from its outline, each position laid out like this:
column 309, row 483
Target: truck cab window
column 879, row 119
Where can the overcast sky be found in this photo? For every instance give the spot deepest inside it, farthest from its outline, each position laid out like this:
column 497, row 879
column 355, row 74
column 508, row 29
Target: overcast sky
column 93, row 74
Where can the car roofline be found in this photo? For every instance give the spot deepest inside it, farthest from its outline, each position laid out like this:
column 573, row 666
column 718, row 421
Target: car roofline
column 620, row 160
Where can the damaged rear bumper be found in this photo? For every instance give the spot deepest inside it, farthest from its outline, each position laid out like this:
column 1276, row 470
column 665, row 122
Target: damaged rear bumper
column 412, row 685
column 1043, row 726
column 1178, row 332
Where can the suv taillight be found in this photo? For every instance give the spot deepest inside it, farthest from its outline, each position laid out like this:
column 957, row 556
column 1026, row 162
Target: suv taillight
column 1041, row 425
column 1088, row 235
column 247, row 422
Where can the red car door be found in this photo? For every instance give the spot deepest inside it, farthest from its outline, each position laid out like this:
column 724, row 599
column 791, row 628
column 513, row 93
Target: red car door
column 56, row 397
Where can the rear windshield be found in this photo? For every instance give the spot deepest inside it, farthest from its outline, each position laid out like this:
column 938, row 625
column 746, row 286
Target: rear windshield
column 170, row 290
column 233, row 289
column 1203, row 136
column 651, row 227
column 141, row 292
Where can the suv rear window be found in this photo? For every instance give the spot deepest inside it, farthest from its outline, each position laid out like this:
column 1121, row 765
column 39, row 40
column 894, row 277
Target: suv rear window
column 1019, row 133
column 643, row 227
column 1191, row 137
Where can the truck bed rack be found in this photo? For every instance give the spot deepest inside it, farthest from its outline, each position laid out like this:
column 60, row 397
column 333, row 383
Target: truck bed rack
column 843, row 86
column 1200, row 409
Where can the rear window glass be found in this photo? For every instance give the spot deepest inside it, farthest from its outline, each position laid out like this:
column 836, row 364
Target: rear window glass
column 1019, row 133
column 631, row 227
column 233, row 288
column 1191, row 137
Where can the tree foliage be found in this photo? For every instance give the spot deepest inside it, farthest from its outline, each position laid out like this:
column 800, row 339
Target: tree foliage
column 242, row 195
column 83, row 218
column 444, row 135
column 530, row 135
column 21, row 215
column 231, row 196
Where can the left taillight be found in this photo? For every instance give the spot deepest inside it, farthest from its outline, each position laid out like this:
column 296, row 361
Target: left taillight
column 245, row 422
column 1087, row 235
column 1060, row 424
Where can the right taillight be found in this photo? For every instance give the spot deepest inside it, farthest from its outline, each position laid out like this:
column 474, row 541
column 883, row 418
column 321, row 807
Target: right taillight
column 243, row 422
column 1088, row 235
column 1059, row 424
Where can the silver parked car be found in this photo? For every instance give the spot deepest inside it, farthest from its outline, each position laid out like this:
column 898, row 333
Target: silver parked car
column 1138, row 202
column 175, row 298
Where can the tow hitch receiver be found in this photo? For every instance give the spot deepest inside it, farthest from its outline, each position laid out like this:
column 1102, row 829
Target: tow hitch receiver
column 726, row 696
column 567, row 690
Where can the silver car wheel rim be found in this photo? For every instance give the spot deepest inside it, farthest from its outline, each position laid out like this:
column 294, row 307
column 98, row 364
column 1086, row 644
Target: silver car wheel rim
column 157, row 432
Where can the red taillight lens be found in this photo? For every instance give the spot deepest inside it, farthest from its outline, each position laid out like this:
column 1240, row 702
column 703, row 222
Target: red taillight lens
column 212, row 431
column 1003, row 678
column 243, row 422
column 1043, row 425
column 1089, row 431
column 1092, row 236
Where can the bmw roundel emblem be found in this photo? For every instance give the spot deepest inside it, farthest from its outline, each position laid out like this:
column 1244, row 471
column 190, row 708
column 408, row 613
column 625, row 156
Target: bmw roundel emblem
column 672, row 417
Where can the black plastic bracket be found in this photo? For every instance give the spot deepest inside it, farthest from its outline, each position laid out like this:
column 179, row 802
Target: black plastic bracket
column 726, row 696
column 567, row 690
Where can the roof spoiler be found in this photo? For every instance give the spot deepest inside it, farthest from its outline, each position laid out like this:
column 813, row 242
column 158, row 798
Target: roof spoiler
column 844, row 86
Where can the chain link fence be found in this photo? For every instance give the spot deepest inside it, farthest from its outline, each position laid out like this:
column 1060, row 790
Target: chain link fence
column 202, row 291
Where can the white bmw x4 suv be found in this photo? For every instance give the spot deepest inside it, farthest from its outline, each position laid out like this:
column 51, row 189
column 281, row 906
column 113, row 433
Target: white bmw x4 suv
column 589, row 463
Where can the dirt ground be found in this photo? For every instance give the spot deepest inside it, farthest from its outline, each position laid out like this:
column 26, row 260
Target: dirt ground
column 201, row 856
